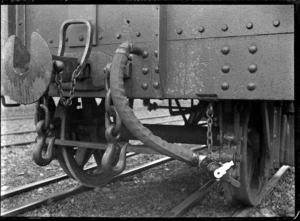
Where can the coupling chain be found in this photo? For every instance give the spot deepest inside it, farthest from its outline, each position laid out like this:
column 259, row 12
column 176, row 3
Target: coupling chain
column 209, row 137
column 43, row 128
column 58, row 80
column 113, row 123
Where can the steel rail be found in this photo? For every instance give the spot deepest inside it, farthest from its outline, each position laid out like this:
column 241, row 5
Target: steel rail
column 198, row 195
column 201, row 193
column 44, row 182
column 80, row 189
column 244, row 212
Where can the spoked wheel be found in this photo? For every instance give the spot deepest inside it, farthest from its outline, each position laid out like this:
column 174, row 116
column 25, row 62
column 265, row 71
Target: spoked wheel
column 255, row 160
column 81, row 125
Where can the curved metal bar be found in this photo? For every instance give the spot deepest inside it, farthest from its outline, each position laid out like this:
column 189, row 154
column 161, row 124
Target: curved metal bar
column 88, row 45
column 109, row 157
column 41, row 139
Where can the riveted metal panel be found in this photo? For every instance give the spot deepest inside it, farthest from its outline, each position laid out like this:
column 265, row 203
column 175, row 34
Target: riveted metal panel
column 76, row 34
column 209, row 21
column 46, row 20
column 197, row 67
column 113, row 21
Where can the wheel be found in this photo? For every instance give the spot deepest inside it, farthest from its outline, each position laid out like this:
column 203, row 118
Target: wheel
column 254, row 167
column 81, row 125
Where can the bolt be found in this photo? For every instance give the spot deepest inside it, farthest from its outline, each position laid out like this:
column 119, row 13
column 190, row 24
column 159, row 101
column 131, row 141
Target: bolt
column 118, row 35
column 145, row 86
column 179, row 31
column 251, row 86
column 225, row 86
column 156, row 85
column 252, row 68
column 130, row 57
column 252, row 49
column 201, row 29
column 249, row 25
column 51, row 41
column 145, row 54
column 224, row 28
column 145, row 70
column 100, row 37
column 138, row 34
column 225, row 69
column 155, row 53
column 20, row 23
column 276, row 23
column 67, row 39
column 156, row 69
column 225, row 50
column 81, row 38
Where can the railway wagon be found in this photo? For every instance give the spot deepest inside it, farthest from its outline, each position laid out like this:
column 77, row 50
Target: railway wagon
column 231, row 66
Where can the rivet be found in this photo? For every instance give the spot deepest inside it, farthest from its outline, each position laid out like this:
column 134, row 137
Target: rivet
column 155, row 53
column 20, row 23
column 251, row 86
column 225, row 86
column 145, row 70
column 138, row 34
column 80, row 38
column 156, row 34
column 225, row 50
column 118, row 35
column 156, row 69
column 276, row 23
column 179, row 31
column 51, row 41
column 249, row 25
column 145, row 54
column 252, row 49
column 100, row 37
column 130, row 57
column 252, row 68
column 225, row 69
column 224, row 28
column 145, row 86
column 201, row 29
column 156, row 85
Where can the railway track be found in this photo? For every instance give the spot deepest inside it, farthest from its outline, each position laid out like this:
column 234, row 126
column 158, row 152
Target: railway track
column 76, row 190
column 177, row 211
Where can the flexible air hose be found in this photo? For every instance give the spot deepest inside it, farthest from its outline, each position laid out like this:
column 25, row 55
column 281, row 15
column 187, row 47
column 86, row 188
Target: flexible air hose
column 142, row 133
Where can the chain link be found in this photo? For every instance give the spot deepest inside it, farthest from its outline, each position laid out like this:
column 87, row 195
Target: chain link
column 58, row 80
column 113, row 123
column 209, row 141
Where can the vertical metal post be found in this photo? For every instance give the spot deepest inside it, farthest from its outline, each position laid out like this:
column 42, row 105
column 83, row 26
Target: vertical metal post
column 162, row 44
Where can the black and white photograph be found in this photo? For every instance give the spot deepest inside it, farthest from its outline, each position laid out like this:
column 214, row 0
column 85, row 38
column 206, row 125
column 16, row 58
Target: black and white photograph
column 144, row 109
